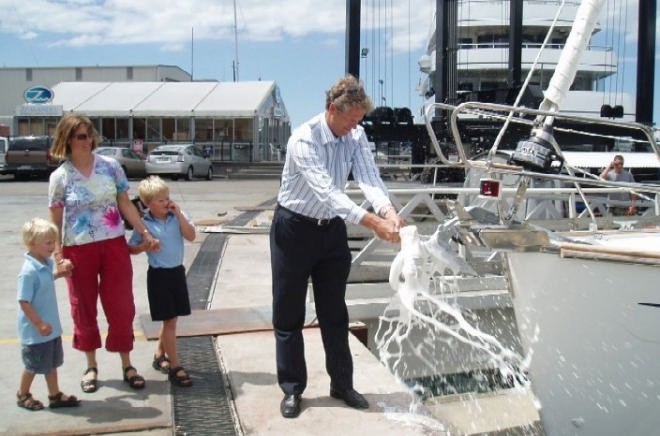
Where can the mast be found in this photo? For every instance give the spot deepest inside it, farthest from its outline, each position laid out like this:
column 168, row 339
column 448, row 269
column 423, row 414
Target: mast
column 445, row 82
column 645, row 62
column 567, row 66
column 540, row 150
column 235, row 44
column 515, row 42
column 353, row 37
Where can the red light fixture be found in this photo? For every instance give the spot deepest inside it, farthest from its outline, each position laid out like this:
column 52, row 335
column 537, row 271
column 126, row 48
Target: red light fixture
column 489, row 188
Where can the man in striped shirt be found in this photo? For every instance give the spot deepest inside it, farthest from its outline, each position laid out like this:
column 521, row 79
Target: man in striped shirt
column 308, row 238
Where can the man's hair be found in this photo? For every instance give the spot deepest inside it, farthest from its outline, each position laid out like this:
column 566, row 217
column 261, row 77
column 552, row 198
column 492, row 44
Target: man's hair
column 619, row 157
column 348, row 93
column 38, row 229
column 150, row 187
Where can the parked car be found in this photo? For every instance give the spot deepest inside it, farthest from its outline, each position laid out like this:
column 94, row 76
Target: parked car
column 29, row 156
column 177, row 160
column 132, row 163
column 4, row 143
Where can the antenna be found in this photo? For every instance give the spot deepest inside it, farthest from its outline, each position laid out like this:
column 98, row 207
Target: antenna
column 235, row 44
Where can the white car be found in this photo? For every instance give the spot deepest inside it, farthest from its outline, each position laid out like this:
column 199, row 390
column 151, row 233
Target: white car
column 175, row 160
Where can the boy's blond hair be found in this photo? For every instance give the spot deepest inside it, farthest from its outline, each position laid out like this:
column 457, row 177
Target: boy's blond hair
column 38, row 229
column 150, row 187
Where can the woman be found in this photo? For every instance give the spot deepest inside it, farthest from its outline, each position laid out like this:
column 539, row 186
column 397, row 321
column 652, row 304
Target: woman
column 87, row 196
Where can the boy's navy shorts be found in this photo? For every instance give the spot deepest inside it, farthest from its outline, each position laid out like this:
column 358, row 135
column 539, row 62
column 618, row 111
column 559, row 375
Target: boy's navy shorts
column 167, row 291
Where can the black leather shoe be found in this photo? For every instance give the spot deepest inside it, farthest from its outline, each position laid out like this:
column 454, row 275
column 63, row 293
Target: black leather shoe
column 290, row 406
column 351, row 397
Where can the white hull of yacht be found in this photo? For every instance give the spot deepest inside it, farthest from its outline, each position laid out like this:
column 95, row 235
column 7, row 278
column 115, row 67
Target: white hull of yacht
column 592, row 327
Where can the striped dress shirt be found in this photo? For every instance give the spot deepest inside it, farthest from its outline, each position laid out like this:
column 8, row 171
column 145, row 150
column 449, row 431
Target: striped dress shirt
column 317, row 167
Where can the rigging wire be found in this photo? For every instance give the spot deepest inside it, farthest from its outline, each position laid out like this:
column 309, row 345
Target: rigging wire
column 364, row 45
column 391, row 55
column 618, row 35
column 622, row 37
column 532, row 68
column 610, row 42
column 409, row 52
column 373, row 49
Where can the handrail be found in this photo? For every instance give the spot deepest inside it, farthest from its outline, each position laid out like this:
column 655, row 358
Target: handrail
column 488, row 165
column 409, row 199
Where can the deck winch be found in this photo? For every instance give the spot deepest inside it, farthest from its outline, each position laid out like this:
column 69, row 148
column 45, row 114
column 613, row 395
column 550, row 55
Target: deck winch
column 539, row 152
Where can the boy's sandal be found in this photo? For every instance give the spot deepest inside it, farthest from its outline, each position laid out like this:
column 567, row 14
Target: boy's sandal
column 136, row 381
column 178, row 376
column 89, row 385
column 58, row 400
column 161, row 364
column 28, row 402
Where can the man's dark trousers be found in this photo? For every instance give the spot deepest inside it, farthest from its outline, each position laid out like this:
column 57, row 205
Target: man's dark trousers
column 301, row 249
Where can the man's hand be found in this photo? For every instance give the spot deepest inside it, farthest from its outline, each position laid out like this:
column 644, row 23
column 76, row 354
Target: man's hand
column 385, row 229
column 392, row 216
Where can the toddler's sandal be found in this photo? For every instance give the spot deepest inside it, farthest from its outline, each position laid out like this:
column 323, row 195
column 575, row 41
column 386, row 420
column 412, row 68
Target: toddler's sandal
column 161, row 364
column 28, row 402
column 58, row 400
column 179, row 377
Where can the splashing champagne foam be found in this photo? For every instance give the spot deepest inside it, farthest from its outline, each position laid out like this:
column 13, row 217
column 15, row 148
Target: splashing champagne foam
column 421, row 302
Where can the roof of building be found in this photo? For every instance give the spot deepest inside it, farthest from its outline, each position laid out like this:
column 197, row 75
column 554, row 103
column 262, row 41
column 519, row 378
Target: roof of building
column 163, row 99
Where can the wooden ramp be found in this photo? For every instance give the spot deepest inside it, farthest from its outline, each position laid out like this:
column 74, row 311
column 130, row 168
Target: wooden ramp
column 216, row 322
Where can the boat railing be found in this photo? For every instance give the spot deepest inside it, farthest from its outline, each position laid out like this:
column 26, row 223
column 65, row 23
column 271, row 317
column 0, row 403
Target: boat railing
column 556, row 208
column 557, row 201
column 527, row 45
column 509, row 114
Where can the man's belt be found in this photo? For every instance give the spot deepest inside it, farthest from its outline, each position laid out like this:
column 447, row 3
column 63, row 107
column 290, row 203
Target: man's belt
column 321, row 222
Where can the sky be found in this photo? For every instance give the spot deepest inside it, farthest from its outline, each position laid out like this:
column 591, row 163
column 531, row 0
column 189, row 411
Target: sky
column 300, row 44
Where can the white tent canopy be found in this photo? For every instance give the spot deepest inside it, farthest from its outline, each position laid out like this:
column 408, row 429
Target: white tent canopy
column 165, row 99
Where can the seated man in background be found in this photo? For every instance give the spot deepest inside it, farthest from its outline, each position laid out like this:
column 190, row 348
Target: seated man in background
column 615, row 172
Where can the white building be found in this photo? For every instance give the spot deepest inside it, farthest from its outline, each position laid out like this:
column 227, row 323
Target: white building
column 143, row 106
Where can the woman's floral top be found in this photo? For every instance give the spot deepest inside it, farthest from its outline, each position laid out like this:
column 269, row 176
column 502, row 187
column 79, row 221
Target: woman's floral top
column 90, row 203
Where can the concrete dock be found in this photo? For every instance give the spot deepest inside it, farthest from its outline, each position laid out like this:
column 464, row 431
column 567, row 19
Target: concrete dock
column 237, row 373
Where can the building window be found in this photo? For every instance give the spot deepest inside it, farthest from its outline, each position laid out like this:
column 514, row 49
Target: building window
column 108, row 129
column 139, row 128
column 79, row 74
column 122, row 130
column 182, row 129
column 203, row 129
column 152, row 126
column 168, row 129
column 28, row 74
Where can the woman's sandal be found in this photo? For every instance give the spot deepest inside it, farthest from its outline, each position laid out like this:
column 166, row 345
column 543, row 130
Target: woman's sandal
column 28, row 402
column 136, row 381
column 161, row 364
column 58, row 400
column 178, row 376
column 89, row 385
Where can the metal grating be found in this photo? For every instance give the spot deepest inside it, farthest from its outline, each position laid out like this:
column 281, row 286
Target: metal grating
column 205, row 408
